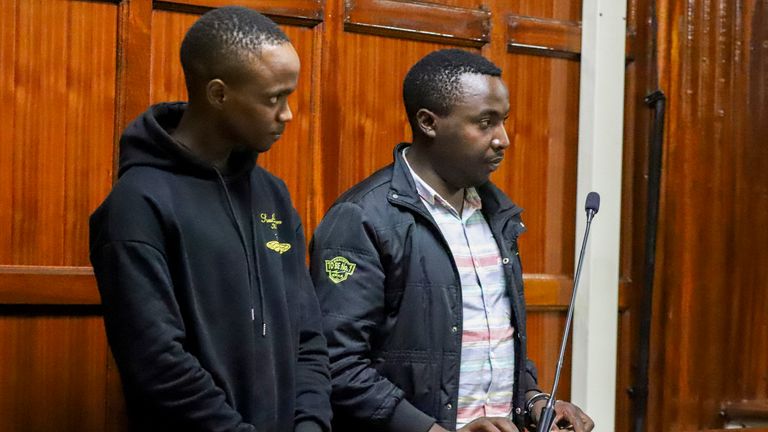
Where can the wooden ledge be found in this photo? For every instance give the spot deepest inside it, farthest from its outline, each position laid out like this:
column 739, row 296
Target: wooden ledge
column 307, row 13
column 418, row 20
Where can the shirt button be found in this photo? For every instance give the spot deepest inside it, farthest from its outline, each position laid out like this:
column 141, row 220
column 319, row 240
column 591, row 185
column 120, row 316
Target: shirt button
column 454, row 329
column 395, row 196
column 505, row 260
column 449, row 405
column 517, row 411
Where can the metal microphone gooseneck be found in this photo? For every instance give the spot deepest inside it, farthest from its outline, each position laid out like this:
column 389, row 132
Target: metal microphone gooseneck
column 547, row 416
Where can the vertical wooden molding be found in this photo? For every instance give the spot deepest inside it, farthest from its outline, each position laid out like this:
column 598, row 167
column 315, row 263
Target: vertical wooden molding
column 314, row 203
column 133, row 65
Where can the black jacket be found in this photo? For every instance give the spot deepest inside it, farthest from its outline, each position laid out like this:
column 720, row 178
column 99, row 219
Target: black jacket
column 208, row 304
column 390, row 294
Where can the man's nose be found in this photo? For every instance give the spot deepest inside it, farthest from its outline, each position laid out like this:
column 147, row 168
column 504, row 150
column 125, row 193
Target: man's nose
column 501, row 141
column 285, row 114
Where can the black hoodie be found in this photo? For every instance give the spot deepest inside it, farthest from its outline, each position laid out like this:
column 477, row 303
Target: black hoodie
column 208, row 305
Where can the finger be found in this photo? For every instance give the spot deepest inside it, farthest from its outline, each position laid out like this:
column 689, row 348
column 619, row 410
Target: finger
column 558, row 418
column 575, row 420
column 482, row 425
column 503, row 424
column 570, row 414
column 588, row 423
column 487, row 427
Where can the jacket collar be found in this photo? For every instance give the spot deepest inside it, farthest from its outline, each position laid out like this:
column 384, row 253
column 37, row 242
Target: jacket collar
column 495, row 203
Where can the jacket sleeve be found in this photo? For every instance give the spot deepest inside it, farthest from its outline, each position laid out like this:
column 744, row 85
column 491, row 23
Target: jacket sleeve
column 530, row 379
column 313, row 384
column 349, row 278
column 146, row 333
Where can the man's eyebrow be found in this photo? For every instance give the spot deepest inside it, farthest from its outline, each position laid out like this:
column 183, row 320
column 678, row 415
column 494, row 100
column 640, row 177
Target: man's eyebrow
column 494, row 113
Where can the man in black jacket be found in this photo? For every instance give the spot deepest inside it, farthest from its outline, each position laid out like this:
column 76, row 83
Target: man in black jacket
column 418, row 274
column 199, row 254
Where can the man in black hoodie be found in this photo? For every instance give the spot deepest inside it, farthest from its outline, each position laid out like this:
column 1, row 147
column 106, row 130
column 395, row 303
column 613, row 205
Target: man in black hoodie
column 199, row 254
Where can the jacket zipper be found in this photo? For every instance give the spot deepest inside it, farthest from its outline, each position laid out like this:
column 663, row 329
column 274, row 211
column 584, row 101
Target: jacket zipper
column 241, row 236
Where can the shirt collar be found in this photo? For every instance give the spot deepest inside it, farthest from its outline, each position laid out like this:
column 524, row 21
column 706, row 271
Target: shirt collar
column 472, row 200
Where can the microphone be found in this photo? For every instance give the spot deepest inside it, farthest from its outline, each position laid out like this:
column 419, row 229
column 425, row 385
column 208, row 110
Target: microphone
column 592, row 205
column 547, row 416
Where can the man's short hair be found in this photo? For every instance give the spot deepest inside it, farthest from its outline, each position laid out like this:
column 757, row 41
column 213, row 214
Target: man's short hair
column 434, row 82
column 221, row 40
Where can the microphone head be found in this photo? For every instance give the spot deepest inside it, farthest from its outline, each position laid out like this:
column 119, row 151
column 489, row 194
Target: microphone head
column 593, row 202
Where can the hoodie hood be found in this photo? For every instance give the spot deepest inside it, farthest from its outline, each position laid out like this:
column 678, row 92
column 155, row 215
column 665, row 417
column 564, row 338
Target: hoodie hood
column 147, row 141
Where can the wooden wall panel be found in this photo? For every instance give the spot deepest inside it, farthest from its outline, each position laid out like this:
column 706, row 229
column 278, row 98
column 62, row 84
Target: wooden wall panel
column 58, row 68
column 545, row 330
column 8, row 26
column 709, row 337
column 540, row 167
column 52, row 374
column 62, row 78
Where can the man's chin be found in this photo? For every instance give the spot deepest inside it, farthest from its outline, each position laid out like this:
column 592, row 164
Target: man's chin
column 259, row 147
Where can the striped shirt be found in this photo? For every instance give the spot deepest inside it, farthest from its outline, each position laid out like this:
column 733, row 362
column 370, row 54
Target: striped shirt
column 486, row 374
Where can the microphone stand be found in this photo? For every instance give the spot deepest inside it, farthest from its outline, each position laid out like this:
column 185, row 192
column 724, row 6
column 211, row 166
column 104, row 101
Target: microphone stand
column 548, row 413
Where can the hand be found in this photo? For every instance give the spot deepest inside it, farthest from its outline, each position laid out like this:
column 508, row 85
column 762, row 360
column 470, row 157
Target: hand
column 483, row 424
column 567, row 416
column 490, row 424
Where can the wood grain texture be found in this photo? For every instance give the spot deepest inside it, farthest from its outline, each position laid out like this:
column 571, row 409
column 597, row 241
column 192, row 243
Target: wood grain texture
column 559, row 10
column 746, row 409
column 27, row 285
column 57, row 149
column 306, row 12
column 639, row 82
column 545, row 331
column 52, row 373
column 133, row 66
column 711, row 340
column 549, row 38
column 419, row 20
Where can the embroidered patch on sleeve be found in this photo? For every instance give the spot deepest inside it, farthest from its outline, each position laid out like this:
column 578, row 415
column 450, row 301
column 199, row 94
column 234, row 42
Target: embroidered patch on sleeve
column 339, row 269
column 278, row 247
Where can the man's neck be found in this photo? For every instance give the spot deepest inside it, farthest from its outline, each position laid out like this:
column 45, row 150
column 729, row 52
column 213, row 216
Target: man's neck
column 198, row 136
column 421, row 164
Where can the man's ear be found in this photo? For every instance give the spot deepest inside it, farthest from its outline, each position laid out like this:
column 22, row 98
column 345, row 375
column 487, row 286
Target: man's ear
column 426, row 121
column 216, row 93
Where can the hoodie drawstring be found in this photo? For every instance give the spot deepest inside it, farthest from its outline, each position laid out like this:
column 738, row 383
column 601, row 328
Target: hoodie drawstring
column 241, row 235
column 254, row 237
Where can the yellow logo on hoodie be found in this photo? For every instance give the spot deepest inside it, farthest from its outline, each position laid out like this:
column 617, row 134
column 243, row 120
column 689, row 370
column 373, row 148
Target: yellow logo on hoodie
column 278, row 247
column 272, row 221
